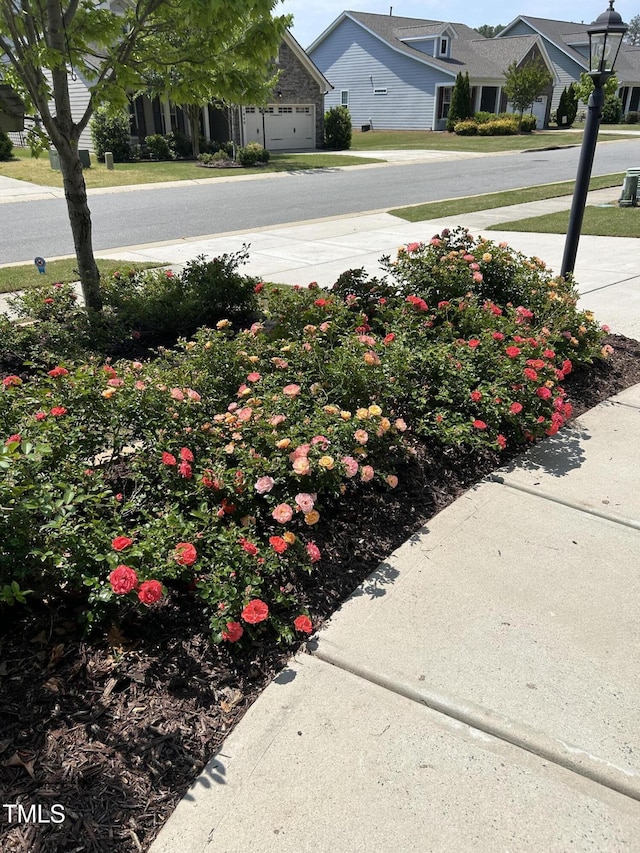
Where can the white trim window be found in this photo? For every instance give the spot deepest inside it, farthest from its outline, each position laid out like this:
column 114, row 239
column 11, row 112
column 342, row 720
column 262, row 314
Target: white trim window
column 344, row 97
column 444, row 46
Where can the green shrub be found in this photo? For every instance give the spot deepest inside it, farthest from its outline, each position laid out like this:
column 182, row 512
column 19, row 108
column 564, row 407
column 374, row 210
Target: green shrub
column 180, row 144
column 252, row 154
column 498, row 127
column 632, row 117
column 484, row 117
column 528, row 123
column 460, row 108
column 111, row 132
column 6, row 147
column 160, row 305
column 337, row 128
column 611, row 110
column 466, row 128
column 158, row 147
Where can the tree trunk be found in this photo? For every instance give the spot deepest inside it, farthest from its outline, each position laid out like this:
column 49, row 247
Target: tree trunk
column 193, row 111
column 75, row 192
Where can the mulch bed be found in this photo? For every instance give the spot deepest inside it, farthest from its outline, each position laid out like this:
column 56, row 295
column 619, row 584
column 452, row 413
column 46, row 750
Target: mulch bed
column 116, row 728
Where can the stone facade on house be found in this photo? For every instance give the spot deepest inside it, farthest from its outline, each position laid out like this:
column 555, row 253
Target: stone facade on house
column 296, row 86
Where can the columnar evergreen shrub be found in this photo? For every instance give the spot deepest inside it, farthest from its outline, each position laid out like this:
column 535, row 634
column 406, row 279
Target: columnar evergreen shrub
column 111, row 132
column 6, row 147
column 611, row 109
column 337, row 128
column 460, row 107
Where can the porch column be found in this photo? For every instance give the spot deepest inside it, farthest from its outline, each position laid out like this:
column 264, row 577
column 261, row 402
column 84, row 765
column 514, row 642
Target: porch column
column 166, row 113
column 205, row 122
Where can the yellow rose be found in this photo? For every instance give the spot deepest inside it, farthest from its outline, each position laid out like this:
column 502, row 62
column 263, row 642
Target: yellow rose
column 346, row 416
column 223, row 324
column 283, row 443
column 326, row 462
column 108, row 393
column 289, row 537
column 362, row 414
column 375, row 411
column 312, row 517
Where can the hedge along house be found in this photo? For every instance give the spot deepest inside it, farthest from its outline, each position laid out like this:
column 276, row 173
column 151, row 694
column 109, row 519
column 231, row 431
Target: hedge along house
column 398, row 73
column 293, row 118
column 567, row 46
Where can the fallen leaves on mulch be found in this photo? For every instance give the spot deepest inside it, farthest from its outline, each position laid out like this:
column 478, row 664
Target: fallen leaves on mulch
column 116, row 728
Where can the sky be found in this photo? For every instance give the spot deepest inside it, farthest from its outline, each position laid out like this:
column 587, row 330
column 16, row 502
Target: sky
column 312, row 17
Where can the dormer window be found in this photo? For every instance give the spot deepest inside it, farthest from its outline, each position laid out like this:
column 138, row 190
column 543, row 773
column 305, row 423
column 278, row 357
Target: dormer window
column 444, row 46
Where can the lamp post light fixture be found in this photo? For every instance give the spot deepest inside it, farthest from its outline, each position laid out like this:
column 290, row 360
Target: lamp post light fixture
column 605, row 37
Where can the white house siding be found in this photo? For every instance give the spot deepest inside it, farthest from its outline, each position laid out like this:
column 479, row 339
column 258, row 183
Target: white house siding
column 354, row 60
column 79, row 99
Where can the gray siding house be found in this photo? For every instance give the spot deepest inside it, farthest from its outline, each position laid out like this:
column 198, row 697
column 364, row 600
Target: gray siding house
column 567, row 46
column 398, row 73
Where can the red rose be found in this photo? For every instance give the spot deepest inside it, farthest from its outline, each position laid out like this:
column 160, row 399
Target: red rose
column 57, row 411
column 185, row 554
column 121, row 542
column 185, row 470
column 150, row 592
column 123, row 580
column 255, row 611
column 314, row 552
column 169, row 459
column 476, row 396
column 186, row 455
column 14, row 439
column 478, row 424
column 58, row 371
column 303, row 624
column 249, row 547
column 278, row 544
column 233, row 632
column 515, row 408
column 513, row 352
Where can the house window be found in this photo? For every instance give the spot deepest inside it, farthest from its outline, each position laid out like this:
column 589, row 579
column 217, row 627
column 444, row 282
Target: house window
column 444, row 101
column 344, row 97
column 305, row 110
column 488, row 99
column 285, row 110
column 380, row 91
column 444, row 46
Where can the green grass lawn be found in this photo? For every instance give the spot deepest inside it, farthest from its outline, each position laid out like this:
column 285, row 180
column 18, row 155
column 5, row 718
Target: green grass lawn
column 24, row 276
column 488, row 201
column 439, row 141
column 26, row 168
column 598, row 221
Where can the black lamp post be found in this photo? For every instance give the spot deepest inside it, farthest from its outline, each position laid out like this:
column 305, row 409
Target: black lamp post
column 605, row 37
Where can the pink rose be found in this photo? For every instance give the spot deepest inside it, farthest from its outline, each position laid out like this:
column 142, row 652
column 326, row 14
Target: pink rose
column 282, row 513
column 305, row 501
column 366, row 473
column 291, row 391
column 264, row 485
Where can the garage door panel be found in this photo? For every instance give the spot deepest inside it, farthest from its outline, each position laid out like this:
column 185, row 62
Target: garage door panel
column 288, row 126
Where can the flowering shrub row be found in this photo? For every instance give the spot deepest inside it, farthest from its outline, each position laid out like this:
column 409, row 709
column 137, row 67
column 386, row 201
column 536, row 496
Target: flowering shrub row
column 211, row 466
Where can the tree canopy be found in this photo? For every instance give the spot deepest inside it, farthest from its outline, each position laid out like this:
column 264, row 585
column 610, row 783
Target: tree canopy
column 523, row 84
column 226, row 54
column 489, row 31
column 633, row 33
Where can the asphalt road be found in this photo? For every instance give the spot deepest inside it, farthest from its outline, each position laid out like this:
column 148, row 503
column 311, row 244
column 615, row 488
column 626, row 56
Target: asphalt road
column 129, row 218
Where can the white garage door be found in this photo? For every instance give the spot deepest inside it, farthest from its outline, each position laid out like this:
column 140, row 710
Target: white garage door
column 290, row 126
column 538, row 109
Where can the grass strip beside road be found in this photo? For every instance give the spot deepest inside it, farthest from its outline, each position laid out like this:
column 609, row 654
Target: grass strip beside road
column 489, row 201
column 597, row 222
column 26, row 168
column 24, row 276
column 437, row 140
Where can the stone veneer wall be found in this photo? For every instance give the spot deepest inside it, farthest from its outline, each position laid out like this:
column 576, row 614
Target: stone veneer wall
column 297, row 86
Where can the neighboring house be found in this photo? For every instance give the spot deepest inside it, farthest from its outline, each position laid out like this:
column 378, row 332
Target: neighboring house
column 293, row 118
column 398, row 73
column 567, row 45
column 395, row 72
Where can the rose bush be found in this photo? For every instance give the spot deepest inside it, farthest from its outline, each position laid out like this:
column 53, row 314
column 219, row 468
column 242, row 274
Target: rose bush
column 210, row 467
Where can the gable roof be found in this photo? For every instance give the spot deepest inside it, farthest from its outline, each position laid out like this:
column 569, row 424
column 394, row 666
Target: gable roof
column 565, row 35
column 469, row 51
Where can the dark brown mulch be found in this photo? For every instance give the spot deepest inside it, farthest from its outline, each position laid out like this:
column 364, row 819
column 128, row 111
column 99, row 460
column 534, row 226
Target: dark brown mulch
column 117, row 728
